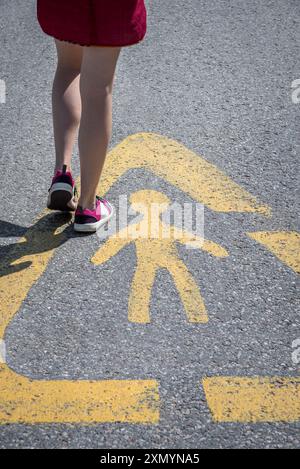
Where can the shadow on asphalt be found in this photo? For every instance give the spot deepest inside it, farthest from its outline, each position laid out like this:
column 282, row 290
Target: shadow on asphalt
column 48, row 233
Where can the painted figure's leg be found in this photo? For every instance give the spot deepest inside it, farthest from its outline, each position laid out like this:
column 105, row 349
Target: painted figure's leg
column 189, row 292
column 140, row 294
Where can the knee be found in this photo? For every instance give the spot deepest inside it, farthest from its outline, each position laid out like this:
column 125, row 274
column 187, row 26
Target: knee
column 69, row 64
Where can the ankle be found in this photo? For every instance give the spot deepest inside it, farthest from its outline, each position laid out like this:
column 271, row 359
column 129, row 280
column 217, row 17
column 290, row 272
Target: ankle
column 60, row 168
column 87, row 203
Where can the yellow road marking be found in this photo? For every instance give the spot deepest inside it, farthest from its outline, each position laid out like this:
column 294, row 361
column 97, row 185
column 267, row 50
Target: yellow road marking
column 183, row 168
column 283, row 244
column 32, row 401
column 154, row 251
column 252, row 400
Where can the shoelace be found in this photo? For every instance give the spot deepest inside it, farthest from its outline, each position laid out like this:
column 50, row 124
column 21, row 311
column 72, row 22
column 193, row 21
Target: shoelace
column 102, row 199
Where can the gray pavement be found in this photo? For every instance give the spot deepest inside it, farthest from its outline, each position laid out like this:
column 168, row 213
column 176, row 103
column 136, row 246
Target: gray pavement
column 216, row 76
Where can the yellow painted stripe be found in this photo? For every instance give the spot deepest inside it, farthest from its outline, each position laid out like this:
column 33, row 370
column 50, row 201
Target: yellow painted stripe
column 285, row 245
column 32, row 401
column 234, row 399
column 27, row 260
column 183, row 168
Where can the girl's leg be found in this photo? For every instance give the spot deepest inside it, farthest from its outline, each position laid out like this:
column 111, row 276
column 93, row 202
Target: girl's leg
column 96, row 84
column 66, row 101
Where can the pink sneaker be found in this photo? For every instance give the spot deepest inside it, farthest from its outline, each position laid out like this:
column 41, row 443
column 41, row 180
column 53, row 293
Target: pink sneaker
column 89, row 221
column 62, row 194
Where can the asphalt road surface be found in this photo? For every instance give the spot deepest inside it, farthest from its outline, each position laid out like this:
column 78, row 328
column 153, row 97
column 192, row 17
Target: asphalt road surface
column 204, row 111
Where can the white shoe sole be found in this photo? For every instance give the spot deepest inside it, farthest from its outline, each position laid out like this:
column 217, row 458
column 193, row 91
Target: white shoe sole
column 93, row 227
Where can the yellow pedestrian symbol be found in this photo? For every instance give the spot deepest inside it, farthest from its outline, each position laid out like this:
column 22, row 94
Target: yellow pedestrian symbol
column 155, row 249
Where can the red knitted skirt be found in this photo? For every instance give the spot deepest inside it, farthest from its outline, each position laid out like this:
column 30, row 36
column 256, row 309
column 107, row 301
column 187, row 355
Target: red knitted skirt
column 112, row 23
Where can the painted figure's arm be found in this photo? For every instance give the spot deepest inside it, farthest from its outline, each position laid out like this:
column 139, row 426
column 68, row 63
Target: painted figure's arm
column 111, row 247
column 197, row 242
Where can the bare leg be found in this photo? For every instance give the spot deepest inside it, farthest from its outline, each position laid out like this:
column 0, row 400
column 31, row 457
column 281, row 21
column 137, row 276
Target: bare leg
column 96, row 84
column 66, row 101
